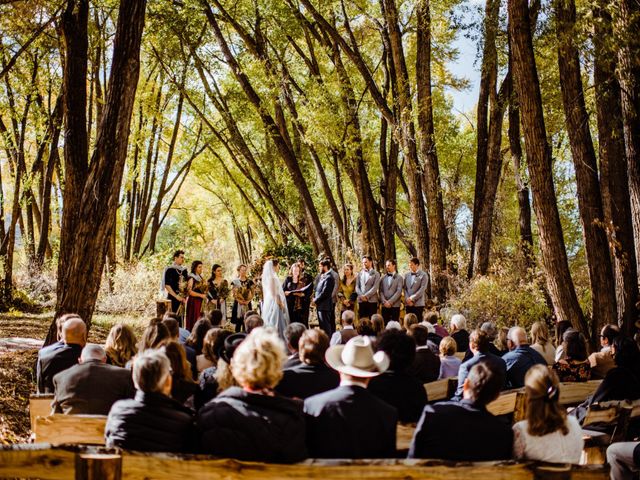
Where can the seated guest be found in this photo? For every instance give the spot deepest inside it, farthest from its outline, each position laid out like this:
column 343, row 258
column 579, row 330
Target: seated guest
column 541, row 343
column 396, row 386
column 182, row 385
column 92, row 386
column 349, row 421
column 430, row 321
column 152, row 421
column 153, row 337
column 214, row 380
column 561, row 327
column 251, row 422
column 426, row 365
column 62, row 355
column 601, row 362
column 120, row 346
column 60, row 322
column 312, row 375
column 547, row 434
column 574, row 367
column 621, row 382
column 459, row 332
column 479, row 346
column 410, row 319
column 465, row 430
column 183, row 333
column 199, row 330
column 252, row 321
column 347, row 332
column 292, row 334
column 215, row 317
column 377, row 324
column 501, row 342
column 624, row 460
column 436, row 321
column 207, row 358
column 449, row 363
column 489, row 328
column 393, row 325
column 365, row 328
column 174, row 335
column 520, row 358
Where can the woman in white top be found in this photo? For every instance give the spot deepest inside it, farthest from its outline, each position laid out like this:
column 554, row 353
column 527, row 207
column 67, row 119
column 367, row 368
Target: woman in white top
column 547, row 434
column 540, row 342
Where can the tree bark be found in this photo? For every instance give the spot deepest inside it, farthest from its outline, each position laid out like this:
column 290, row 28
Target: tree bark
column 94, row 201
column 438, row 241
column 615, row 181
column 554, row 255
column 586, row 168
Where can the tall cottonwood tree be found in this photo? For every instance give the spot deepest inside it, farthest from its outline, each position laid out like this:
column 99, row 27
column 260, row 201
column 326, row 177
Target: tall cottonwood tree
column 527, row 86
column 92, row 186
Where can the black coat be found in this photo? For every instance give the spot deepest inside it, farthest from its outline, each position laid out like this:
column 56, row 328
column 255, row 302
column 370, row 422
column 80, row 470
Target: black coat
column 324, row 292
column 302, row 380
column 249, row 426
column 400, row 390
column 91, row 388
column 461, row 431
column 619, row 383
column 462, row 340
column 350, row 422
column 52, row 360
column 151, row 422
column 426, row 366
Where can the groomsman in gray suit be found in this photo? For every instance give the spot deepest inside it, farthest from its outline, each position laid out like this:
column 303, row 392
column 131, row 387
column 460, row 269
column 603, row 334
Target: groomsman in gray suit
column 415, row 286
column 390, row 292
column 367, row 288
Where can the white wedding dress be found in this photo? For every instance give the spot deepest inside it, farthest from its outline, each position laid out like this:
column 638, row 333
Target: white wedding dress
column 274, row 303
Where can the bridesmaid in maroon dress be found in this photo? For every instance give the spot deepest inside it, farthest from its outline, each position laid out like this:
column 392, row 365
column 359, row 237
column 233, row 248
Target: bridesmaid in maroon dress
column 197, row 288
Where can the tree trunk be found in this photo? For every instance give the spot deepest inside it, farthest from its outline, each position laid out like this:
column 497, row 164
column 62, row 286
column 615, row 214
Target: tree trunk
column 90, row 210
column 438, row 241
column 586, row 168
column 554, row 255
column 613, row 163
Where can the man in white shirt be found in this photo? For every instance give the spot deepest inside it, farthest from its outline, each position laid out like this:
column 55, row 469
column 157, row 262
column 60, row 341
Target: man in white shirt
column 390, row 292
column 367, row 283
column 415, row 287
column 348, row 331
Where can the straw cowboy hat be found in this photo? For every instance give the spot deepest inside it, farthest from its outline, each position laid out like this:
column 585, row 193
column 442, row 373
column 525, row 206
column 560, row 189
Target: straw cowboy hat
column 357, row 358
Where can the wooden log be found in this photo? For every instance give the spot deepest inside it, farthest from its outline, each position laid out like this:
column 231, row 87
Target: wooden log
column 162, row 306
column 39, row 406
column 573, row 393
column 404, row 435
column 98, row 466
column 36, row 461
column 80, row 429
column 137, row 466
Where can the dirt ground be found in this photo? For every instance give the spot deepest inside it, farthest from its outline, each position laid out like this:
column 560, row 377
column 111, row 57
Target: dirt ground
column 18, row 363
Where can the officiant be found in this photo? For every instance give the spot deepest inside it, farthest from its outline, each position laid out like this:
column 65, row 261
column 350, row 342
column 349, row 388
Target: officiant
column 297, row 289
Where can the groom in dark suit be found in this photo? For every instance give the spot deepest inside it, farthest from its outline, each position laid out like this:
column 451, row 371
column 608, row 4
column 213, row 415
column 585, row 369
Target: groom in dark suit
column 323, row 298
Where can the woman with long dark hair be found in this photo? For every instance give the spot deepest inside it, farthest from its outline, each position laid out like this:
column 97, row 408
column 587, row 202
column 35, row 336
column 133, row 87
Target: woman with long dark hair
column 197, row 288
column 218, row 292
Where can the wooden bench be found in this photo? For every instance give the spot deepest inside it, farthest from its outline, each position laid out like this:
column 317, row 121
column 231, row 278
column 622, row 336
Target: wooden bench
column 574, row 393
column 39, row 406
column 441, row 389
column 76, row 429
column 91, row 463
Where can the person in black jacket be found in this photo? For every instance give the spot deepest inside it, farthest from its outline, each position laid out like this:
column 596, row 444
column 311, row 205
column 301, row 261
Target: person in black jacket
column 323, row 299
column 349, row 421
column 396, row 386
column 61, row 355
column 465, row 430
column 426, row 365
column 311, row 376
column 152, row 421
column 251, row 422
column 92, row 386
column 621, row 382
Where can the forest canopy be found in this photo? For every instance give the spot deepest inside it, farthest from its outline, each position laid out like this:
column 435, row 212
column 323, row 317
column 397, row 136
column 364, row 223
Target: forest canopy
column 235, row 128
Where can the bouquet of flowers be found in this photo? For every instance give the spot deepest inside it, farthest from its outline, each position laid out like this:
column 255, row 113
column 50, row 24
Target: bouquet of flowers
column 183, row 292
column 223, row 290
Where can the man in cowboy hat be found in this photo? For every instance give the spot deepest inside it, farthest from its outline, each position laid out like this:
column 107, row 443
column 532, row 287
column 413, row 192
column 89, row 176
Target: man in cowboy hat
column 349, row 421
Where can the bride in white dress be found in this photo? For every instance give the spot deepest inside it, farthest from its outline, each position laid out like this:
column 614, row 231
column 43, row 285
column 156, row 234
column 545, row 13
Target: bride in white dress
column 274, row 303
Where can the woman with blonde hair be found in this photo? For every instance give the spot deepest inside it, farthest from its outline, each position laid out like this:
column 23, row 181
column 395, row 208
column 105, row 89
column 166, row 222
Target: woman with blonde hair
column 540, row 342
column 547, row 434
column 250, row 422
column 120, row 346
column 347, row 288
